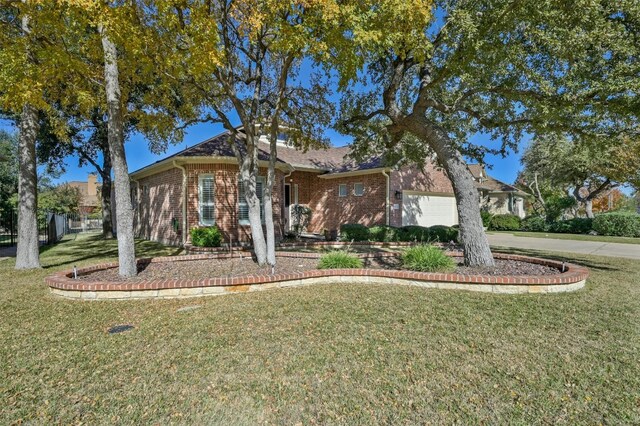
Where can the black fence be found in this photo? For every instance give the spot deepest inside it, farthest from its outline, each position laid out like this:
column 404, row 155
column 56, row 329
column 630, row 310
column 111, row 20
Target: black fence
column 51, row 227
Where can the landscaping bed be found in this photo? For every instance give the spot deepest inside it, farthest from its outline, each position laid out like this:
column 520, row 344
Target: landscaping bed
column 239, row 267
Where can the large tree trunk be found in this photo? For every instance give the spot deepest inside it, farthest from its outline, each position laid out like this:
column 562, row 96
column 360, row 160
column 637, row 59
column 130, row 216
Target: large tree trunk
column 268, row 203
column 124, row 211
column 105, row 195
column 472, row 236
column 249, row 174
column 27, row 255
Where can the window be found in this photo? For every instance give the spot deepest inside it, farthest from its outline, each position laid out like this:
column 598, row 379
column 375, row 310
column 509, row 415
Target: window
column 243, row 207
column 206, row 200
column 358, row 189
column 342, row 190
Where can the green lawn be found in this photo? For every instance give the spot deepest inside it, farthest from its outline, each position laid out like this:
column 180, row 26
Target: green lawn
column 332, row 354
column 579, row 237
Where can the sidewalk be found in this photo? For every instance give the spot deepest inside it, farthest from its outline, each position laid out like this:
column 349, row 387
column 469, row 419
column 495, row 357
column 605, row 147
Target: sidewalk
column 7, row 252
column 629, row 251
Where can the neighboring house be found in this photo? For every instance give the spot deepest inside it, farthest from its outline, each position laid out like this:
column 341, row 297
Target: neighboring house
column 495, row 196
column 89, row 190
column 199, row 187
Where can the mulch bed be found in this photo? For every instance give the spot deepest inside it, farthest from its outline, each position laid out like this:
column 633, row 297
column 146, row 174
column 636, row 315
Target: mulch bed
column 212, row 268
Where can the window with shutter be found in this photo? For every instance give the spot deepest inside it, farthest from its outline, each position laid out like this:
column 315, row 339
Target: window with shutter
column 206, row 199
column 243, row 207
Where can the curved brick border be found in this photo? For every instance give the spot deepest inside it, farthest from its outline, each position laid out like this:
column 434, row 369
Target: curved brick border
column 63, row 284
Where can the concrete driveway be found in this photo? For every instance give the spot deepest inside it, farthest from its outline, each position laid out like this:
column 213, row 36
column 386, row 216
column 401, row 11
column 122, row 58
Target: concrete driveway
column 630, row 251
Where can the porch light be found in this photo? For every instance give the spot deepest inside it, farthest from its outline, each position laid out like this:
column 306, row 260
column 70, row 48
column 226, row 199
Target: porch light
column 398, row 195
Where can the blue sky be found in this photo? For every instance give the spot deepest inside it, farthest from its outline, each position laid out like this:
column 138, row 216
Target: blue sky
column 138, row 155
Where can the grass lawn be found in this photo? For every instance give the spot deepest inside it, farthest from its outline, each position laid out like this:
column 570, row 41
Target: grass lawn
column 579, row 237
column 332, row 354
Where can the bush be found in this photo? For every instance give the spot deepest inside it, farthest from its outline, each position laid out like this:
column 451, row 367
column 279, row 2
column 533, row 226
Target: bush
column 505, row 222
column 209, row 236
column 413, row 233
column 617, row 224
column 339, row 260
column 576, row 225
column 354, row 232
column 443, row 234
column 383, row 233
column 486, row 218
column 534, row 224
column 427, row 258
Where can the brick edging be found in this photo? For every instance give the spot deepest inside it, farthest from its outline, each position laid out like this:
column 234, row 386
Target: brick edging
column 63, row 282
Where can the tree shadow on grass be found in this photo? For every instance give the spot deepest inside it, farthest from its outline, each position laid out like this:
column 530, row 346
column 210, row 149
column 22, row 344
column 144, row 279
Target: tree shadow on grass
column 601, row 266
column 75, row 250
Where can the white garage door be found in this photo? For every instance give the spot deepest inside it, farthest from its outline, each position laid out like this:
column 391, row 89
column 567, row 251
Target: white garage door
column 428, row 210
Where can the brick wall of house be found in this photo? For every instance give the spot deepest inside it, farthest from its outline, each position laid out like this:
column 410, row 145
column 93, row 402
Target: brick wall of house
column 432, row 179
column 226, row 200
column 159, row 207
column 160, row 202
column 330, row 211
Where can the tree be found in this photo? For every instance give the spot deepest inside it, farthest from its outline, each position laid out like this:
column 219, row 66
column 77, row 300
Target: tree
column 60, row 199
column 610, row 201
column 501, row 68
column 86, row 139
column 119, row 53
column 585, row 169
column 8, row 172
column 252, row 71
column 27, row 254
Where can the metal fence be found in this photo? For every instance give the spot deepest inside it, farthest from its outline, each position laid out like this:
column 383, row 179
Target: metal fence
column 52, row 227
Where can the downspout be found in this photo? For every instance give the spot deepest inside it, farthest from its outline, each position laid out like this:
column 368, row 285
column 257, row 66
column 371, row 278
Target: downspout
column 184, row 202
column 387, row 201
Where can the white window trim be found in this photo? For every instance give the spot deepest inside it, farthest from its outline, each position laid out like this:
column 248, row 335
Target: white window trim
column 243, row 201
column 354, row 189
column 346, row 190
column 212, row 203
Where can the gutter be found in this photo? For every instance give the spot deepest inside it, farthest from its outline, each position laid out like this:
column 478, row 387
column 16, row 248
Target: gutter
column 184, row 201
column 388, row 200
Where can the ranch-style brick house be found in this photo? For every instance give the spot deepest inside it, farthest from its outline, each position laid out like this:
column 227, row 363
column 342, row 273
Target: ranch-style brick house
column 199, row 187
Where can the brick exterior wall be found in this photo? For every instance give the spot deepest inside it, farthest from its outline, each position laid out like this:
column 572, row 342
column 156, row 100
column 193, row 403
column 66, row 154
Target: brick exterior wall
column 159, row 203
column 432, row 180
column 162, row 199
column 330, row 211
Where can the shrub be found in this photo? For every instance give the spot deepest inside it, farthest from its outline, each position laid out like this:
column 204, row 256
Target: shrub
column 534, row 224
column 209, row 236
column 301, row 216
column 617, row 224
column 413, row 233
column 576, row 225
column 486, row 218
column 383, row 233
column 354, row 232
column 505, row 222
column 442, row 233
column 427, row 258
column 339, row 260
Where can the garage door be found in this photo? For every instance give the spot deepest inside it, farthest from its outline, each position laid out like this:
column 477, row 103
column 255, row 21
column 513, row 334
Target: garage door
column 428, row 210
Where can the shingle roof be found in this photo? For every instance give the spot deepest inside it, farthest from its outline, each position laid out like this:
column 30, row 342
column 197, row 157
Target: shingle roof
column 332, row 159
column 485, row 182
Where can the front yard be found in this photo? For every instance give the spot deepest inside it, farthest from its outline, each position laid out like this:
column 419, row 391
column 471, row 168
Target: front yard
column 322, row 354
